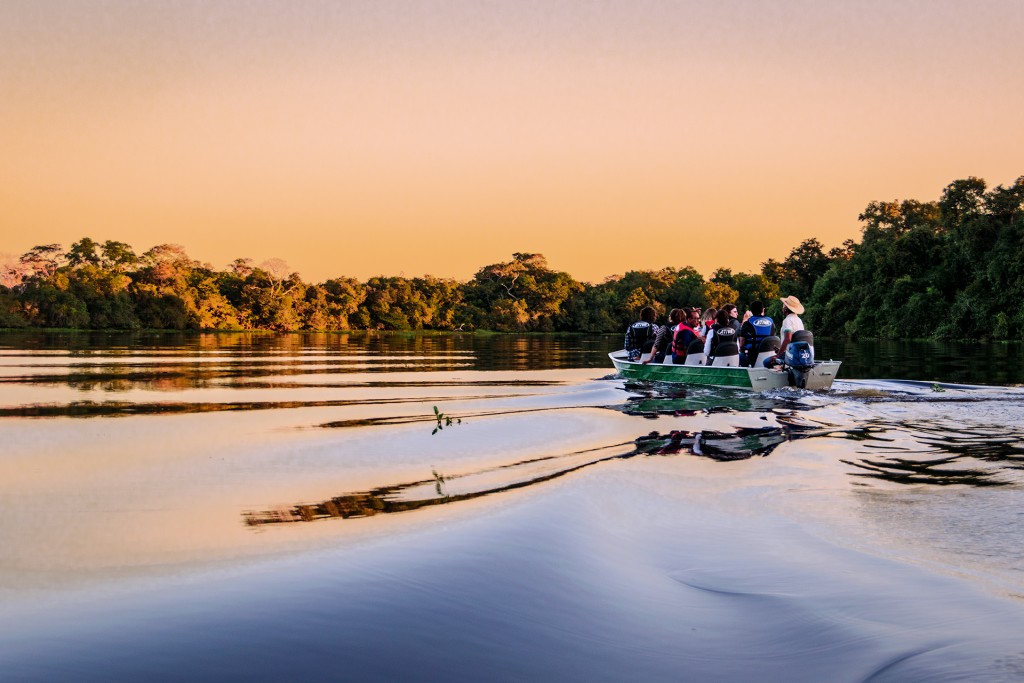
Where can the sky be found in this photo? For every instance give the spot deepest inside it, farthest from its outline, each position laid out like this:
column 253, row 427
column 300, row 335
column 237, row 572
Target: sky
column 437, row 137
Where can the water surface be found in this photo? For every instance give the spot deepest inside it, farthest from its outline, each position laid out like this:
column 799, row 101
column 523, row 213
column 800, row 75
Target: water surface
column 185, row 507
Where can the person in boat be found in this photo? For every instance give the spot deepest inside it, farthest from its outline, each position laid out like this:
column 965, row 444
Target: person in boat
column 791, row 323
column 734, row 316
column 722, row 331
column 641, row 334
column 707, row 321
column 663, row 338
column 755, row 329
column 684, row 333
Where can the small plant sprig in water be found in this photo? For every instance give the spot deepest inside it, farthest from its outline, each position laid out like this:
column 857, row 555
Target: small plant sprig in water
column 438, row 483
column 443, row 421
column 937, row 388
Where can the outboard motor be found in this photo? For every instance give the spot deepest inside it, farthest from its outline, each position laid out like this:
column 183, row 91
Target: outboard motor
column 800, row 358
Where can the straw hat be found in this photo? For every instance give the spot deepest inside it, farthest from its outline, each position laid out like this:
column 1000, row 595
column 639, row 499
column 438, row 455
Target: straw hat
column 793, row 304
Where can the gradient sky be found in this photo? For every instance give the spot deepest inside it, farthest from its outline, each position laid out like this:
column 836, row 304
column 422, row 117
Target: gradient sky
column 387, row 137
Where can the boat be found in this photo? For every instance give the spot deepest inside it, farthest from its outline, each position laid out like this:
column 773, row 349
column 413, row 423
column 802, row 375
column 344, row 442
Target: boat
column 818, row 378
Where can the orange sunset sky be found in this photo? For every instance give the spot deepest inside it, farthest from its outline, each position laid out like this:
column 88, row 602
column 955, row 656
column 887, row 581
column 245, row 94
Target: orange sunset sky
column 388, row 137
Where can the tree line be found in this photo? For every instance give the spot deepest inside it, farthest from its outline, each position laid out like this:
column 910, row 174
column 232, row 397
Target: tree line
column 952, row 268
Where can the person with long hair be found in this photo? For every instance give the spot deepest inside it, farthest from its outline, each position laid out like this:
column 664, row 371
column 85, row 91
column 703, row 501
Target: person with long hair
column 707, row 321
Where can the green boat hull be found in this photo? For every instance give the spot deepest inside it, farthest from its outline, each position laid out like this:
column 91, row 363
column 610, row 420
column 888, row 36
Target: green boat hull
column 755, row 379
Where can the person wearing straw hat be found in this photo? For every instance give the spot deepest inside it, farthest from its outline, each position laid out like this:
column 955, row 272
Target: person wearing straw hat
column 791, row 323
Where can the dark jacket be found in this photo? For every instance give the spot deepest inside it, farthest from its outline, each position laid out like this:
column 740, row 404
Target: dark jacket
column 640, row 338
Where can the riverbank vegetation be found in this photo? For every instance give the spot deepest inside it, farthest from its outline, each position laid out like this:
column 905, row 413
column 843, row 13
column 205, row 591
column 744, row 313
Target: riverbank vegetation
column 952, row 268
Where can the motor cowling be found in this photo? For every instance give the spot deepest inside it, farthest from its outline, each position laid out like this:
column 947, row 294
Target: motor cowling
column 800, row 355
column 799, row 362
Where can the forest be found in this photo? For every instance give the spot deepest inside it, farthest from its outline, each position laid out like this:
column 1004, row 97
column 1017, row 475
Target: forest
column 946, row 269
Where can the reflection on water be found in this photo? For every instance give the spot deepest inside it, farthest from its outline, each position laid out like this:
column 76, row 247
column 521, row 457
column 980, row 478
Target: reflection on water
column 403, row 497
column 234, row 350
column 431, row 418
column 941, row 453
column 171, row 360
column 895, row 452
column 904, row 471
column 351, row 418
column 647, row 509
column 125, row 408
column 436, row 490
column 113, row 376
column 738, row 444
column 743, row 443
column 650, row 399
column 966, row 363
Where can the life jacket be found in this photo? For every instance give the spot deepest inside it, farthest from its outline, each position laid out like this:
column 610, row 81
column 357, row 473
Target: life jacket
column 639, row 335
column 727, row 332
column 723, row 333
column 762, row 325
column 679, row 343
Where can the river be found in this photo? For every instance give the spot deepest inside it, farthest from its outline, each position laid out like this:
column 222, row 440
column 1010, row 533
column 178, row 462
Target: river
column 183, row 507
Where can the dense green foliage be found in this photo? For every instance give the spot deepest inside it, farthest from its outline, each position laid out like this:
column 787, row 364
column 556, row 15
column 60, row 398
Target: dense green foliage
column 952, row 268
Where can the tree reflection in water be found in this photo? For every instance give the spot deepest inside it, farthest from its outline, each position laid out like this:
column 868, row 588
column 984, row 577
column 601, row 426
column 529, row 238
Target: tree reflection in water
column 946, row 454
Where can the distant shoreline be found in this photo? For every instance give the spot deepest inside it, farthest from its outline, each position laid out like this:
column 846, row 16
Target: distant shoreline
column 431, row 333
column 947, row 269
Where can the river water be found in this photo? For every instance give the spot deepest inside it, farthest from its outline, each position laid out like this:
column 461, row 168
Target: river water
column 467, row 507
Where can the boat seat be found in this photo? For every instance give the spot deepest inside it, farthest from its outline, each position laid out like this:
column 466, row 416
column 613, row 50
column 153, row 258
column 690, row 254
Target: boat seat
column 695, row 353
column 727, row 354
column 769, row 347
